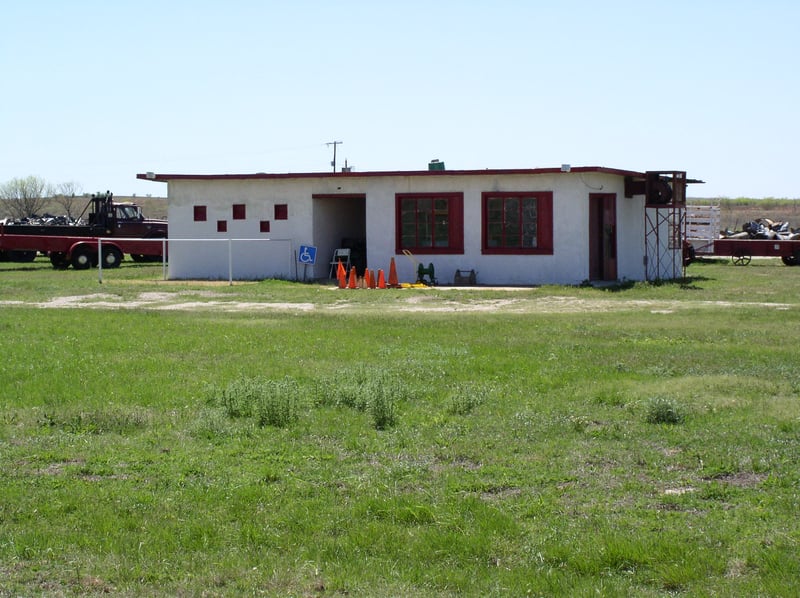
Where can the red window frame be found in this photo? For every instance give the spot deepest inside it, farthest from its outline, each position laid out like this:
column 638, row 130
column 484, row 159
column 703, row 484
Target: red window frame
column 200, row 214
column 281, row 211
column 263, row 226
column 222, row 226
column 239, row 211
column 429, row 223
column 511, row 226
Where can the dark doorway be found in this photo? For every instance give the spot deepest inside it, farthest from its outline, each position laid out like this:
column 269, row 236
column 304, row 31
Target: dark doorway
column 340, row 221
column 602, row 236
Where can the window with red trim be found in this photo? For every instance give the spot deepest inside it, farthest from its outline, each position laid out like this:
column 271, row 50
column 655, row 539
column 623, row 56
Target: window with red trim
column 429, row 222
column 517, row 222
column 264, row 226
column 239, row 211
column 281, row 211
column 200, row 213
column 222, row 226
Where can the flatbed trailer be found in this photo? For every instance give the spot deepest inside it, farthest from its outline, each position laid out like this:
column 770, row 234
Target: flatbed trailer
column 80, row 252
column 742, row 251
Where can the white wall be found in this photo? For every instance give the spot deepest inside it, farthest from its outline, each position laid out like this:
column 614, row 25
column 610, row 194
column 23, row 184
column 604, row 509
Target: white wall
column 263, row 255
column 569, row 263
column 630, row 236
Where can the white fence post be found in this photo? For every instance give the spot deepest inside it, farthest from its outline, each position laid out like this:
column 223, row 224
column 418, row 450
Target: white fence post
column 230, row 262
column 100, row 261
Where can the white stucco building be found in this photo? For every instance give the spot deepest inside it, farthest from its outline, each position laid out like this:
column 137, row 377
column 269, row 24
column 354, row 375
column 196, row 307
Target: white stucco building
column 560, row 225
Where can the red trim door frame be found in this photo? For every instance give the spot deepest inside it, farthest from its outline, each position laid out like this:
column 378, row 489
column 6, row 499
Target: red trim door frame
column 602, row 236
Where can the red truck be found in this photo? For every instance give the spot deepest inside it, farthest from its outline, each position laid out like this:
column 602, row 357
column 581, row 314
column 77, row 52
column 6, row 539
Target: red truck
column 118, row 228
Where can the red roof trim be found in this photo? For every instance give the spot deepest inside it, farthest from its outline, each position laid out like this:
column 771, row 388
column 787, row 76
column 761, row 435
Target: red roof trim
column 164, row 178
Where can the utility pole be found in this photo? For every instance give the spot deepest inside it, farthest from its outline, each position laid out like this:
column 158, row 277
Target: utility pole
column 334, row 144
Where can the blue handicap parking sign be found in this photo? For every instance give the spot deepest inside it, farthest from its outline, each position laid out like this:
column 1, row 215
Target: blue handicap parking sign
column 307, row 255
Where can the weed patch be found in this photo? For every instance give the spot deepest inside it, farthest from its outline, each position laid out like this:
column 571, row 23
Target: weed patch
column 661, row 410
column 111, row 420
column 271, row 402
column 377, row 392
column 463, row 398
column 279, row 403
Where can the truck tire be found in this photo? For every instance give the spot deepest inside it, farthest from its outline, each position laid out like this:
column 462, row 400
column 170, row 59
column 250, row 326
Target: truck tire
column 112, row 257
column 59, row 260
column 82, row 258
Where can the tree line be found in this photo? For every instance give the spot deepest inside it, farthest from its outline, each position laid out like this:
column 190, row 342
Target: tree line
column 27, row 197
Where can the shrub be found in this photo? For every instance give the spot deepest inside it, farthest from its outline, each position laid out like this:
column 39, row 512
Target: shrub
column 238, row 398
column 663, row 411
column 346, row 389
column 375, row 392
column 112, row 420
column 271, row 402
column 465, row 398
column 381, row 398
column 278, row 402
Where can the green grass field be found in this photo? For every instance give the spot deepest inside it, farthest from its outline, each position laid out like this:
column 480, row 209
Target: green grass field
column 280, row 439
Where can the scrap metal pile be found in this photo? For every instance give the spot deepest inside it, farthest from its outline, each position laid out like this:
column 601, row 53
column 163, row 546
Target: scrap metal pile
column 764, row 228
column 45, row 220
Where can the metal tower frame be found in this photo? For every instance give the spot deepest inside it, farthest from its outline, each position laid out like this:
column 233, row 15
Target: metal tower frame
column 664, row 224
column 665, row 229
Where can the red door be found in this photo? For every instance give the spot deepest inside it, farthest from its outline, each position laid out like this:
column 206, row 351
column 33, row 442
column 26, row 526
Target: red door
column 602, row 236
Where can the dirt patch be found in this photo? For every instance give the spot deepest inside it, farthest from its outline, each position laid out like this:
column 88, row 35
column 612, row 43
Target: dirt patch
column 679, row 491
column 234, row 306
column 742, row 479
column 55, row 469
column 500, row 493
column 163, row 301
column 213, row 301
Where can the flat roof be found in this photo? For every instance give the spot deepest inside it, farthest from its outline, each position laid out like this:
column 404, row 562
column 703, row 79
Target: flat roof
column 164, row 178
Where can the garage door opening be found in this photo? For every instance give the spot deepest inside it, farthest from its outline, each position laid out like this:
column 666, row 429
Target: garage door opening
column 340, row 221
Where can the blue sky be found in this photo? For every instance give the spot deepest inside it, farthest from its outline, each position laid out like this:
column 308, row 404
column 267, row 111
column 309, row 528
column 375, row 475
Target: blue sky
column 97, row 91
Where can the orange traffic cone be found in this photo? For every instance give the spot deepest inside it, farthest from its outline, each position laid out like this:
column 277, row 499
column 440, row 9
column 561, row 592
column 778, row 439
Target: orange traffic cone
column 341, row 275
column 381, row 280
column 393, row 283
column 353, row 279
column 372, row 282
column 367, row 279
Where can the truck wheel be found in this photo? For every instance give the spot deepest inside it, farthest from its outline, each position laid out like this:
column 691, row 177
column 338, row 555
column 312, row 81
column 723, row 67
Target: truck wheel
column 112, row 257
column 82, row 258
column 59, row 260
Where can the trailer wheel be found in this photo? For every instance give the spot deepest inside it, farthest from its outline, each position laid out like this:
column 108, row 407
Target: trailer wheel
column 59, row 260
column 791, row 260
column 741, row 260
column 112, row 257
column 82, row 258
